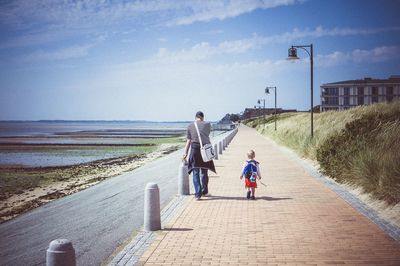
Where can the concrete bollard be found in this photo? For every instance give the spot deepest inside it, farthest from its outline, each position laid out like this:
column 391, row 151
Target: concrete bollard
column 220, row 147
column 223, row 143
column 152, row 217
column 183, row 179
column 60, row 253
column 216, row 151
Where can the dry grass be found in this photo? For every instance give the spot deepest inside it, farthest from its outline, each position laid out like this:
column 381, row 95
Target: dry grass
column 359, row 147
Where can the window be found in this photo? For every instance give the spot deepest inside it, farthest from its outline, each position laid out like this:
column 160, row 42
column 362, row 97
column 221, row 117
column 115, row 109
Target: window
column 330, row 108
column 375, row 99
column 360, row 100
column 389, row 98
column 389, row 90
column 375, row 91
column 332, row 101
column 346, row 91
column 346, row 101
column 331, row 91
column 360, row 91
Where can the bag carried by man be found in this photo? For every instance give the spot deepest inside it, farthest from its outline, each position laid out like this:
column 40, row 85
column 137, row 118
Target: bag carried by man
column 207, row 151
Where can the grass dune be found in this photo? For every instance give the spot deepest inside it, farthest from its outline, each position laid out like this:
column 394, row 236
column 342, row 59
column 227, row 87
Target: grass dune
column 358, row 147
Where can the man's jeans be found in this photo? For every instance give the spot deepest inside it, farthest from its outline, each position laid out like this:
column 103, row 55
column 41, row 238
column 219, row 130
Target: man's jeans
column 201, row 188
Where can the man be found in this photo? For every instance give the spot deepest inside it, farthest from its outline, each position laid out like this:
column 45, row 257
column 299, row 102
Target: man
column 196, row 163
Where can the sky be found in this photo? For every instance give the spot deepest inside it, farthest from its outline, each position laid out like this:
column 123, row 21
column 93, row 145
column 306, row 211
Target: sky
column 164, row 60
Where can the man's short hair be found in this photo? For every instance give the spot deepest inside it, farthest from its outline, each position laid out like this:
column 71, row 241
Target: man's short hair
column 199, row 114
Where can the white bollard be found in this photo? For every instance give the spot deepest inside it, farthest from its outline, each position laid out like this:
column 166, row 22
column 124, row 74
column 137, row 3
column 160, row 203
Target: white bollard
column 183, row 179
column 216, row 151
column 60, row 253
column 220, row 147
column 152, row 217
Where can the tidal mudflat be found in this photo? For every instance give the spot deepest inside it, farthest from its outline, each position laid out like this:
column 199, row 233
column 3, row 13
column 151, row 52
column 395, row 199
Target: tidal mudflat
column 40, row 167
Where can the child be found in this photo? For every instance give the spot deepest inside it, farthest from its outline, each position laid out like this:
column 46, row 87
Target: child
column 251, row 171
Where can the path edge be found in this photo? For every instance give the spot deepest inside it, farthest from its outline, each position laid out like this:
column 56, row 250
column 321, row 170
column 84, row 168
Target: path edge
column 140, row 244
column 390, row 229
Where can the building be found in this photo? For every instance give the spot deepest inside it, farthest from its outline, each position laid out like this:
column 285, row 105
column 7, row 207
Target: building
column 347, row 94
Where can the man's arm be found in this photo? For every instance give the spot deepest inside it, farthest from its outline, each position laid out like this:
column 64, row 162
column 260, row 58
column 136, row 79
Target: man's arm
column 208, row 129
column 187, row 146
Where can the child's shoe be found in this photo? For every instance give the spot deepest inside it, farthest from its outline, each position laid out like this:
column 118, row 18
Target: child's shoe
column 248, row 194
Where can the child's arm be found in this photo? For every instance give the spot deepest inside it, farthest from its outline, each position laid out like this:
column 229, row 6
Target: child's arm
column 258, row 171
column 241, row 174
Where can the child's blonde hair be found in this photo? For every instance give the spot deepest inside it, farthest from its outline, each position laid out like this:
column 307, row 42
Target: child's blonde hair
column 251, row 154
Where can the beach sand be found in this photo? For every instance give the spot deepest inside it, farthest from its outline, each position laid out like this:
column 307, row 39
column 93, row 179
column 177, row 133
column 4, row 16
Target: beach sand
column 67, row 180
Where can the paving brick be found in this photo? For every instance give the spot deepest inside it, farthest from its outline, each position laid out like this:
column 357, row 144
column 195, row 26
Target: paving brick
column 296, row 219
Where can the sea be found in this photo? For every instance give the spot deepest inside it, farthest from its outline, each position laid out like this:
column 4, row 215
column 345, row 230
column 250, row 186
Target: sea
column 63, row 143
column 49, row 128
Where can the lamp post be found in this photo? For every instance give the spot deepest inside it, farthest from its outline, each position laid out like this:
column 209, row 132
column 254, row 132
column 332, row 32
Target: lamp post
column 292, row 55
column 267, row 92
column 257, row 112
column 259, row 102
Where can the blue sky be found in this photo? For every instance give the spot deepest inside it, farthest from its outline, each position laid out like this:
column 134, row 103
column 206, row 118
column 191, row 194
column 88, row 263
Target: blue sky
column 164, row 60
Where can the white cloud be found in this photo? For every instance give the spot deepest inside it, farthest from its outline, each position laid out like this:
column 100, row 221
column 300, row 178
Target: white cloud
column 205, row 50
column 172, row 86
column 162, row 39
column 213, row 32
column 40, row 22
column 211, row 10
column 61, row 54
column 43, row 21
column 378, row 54
column 22, row 13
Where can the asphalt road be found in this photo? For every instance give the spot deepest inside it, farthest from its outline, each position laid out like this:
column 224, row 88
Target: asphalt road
column 96, row 220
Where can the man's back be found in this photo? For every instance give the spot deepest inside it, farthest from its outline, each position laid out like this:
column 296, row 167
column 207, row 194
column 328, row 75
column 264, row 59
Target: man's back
column 204, row 129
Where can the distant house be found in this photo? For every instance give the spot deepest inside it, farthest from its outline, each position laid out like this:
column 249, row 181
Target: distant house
column 343, row 95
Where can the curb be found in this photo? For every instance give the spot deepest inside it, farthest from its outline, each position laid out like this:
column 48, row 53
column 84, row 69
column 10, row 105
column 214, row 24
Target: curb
column 132, row 252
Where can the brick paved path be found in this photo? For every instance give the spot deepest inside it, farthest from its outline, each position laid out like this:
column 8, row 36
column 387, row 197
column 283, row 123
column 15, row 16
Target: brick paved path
column 294, row 220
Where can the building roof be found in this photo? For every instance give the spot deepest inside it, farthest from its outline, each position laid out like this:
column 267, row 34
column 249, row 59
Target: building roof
column 395, row 79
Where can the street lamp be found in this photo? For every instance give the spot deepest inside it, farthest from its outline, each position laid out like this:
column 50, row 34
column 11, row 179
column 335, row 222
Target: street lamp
column 259, row 102
column 257, row 109
column 267, row 92
column 292, row 55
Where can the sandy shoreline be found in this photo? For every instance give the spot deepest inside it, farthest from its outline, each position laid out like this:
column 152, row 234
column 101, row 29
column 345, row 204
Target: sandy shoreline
column 79, row 177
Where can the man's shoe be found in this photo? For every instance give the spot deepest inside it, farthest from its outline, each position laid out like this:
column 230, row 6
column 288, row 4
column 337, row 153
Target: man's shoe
column 248, row 194
column 253, row 198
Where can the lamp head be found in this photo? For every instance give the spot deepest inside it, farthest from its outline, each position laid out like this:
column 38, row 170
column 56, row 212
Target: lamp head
column 267, row 90
column 292, row 54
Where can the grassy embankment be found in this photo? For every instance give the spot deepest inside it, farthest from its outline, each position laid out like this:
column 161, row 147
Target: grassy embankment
column 359, row 147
